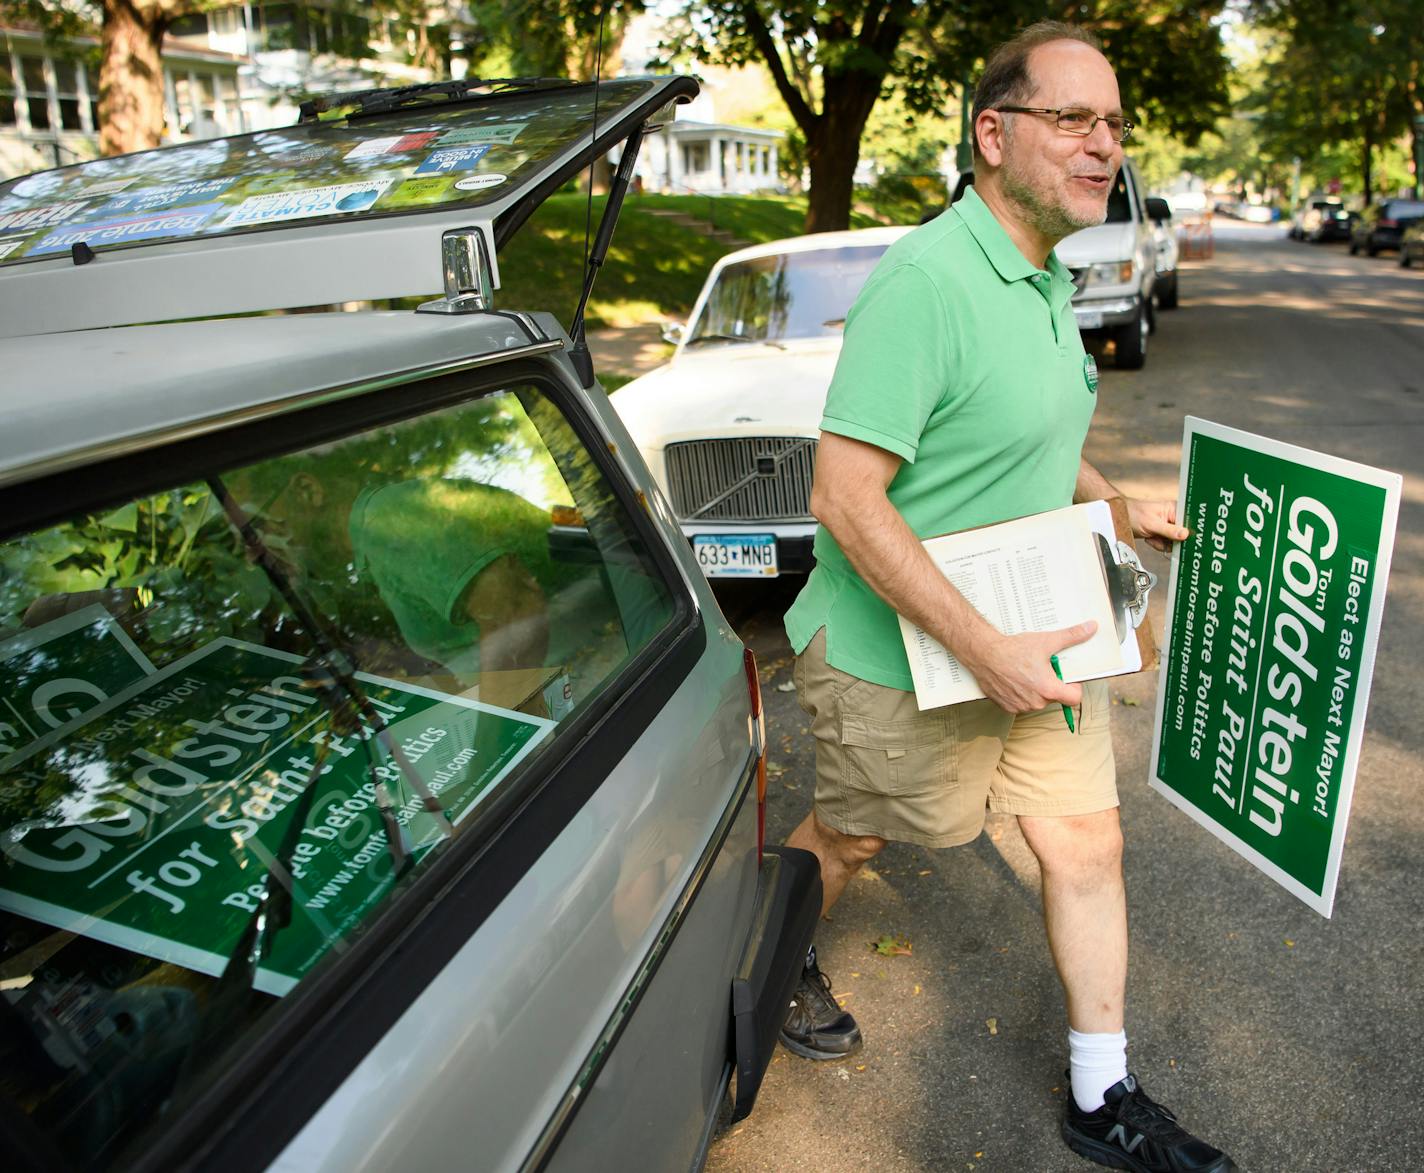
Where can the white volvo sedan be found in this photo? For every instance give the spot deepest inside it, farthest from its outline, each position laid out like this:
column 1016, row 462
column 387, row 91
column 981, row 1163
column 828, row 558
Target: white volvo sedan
column 729, row 426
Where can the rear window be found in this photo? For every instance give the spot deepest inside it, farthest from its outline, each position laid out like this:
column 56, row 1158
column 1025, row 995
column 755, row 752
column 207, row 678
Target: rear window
column 789, row 295
column 461, row 155
column 241, row 716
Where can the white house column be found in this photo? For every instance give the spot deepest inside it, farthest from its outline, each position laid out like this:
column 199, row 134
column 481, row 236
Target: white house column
column 674, row 160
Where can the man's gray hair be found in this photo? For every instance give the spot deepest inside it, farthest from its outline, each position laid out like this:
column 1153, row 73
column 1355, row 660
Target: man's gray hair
column 1006, row 80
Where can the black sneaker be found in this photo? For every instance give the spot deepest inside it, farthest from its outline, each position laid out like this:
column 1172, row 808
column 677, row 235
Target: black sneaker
column 816, row 1027
column 1131, row 1131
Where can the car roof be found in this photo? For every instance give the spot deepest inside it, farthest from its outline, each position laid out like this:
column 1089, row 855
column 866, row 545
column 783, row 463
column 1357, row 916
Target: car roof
column 346, row 206
column 166, row 382
column 816, row 241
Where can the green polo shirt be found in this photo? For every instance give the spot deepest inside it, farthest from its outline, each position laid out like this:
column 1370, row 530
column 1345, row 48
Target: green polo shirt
column 965, row 361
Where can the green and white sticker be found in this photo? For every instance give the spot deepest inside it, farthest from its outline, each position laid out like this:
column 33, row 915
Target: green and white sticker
column 1273, row 621
column 1090, row 372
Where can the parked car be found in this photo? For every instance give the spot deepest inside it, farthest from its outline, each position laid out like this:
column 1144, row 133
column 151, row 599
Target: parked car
column 1310, row 215
column 729, row 425
column 1335, row 225
column 1164, row 235
column 1382, row 225
column 1411, row 245
column 1114, row 265
column 380, row 785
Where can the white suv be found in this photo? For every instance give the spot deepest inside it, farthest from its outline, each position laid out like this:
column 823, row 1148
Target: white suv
column 1114, row 265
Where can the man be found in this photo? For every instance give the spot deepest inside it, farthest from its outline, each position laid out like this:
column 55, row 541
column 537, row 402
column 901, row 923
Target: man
column 963, row 397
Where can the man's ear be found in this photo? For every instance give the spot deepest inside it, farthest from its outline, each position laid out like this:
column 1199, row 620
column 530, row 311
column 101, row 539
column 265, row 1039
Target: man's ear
column 990, row 133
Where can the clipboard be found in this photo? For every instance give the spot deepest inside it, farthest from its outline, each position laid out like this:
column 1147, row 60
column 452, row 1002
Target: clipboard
column 1040, row 573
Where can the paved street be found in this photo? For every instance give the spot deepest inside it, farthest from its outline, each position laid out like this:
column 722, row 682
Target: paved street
column 1294, row 1042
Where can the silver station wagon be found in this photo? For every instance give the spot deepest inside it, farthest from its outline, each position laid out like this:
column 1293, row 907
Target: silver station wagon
column 380, row 785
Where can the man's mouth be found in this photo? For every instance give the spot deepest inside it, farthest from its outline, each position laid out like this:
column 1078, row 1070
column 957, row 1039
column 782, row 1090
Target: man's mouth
column 1096, row 182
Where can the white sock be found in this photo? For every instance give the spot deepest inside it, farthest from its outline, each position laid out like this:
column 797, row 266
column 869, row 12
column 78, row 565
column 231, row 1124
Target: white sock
column 1095, row 1063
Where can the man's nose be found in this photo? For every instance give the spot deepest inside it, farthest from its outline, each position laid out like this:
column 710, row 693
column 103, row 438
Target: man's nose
column 1100, row 142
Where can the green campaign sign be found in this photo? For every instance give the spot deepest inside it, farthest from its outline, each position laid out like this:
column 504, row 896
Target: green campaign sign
column 51, row 674
column 152, row 821
column 1273, row 621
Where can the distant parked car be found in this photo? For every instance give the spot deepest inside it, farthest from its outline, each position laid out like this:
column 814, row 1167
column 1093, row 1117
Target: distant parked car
column 729, row 426
column 1411, row 245
column 1164, row 233
column 1309, row 217
column 1382, row 225
column 1334, row 226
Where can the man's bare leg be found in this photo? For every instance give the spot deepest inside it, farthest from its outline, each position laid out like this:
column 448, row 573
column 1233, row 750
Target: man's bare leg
column 816, row 1027
column 841, row 856
column 1084, row 912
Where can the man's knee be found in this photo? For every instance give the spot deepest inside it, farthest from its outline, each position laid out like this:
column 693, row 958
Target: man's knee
column 1076, row 847
column 851, row 850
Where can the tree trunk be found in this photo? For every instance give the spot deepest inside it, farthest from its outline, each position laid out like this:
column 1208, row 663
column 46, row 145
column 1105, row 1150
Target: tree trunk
column 131, row 77
column 1367, row 167
column 832, row 160
column 833, row 150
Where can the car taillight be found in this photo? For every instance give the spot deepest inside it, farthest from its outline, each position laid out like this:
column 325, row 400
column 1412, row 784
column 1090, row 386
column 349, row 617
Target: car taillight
column 1386, row 223
column 756, row 729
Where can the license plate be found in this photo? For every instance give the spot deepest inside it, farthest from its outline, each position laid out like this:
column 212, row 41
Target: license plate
column 736, row 556
column 1092, row 320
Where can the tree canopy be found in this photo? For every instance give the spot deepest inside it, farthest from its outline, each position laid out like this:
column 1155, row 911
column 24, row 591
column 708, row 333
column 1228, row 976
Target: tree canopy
column 1343, row 73
column 832, row 61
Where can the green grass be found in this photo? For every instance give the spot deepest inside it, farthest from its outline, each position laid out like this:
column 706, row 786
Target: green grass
column 654, row 268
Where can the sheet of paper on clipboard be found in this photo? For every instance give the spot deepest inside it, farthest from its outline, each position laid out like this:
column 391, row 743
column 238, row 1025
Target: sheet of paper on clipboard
column 1042, row 573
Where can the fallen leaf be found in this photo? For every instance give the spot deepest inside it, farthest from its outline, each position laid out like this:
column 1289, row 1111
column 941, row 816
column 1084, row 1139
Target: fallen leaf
column 786, row 686
column 1130, row 702
column 917, row 991
column 1289, row 943
column 993, row 1025
column 855, row 975
column 889, row 946
column 843, row 995
column 860, row 1067
column 978, row 1155
column 926, row 872
column 775, row 769
column 1171, row 1062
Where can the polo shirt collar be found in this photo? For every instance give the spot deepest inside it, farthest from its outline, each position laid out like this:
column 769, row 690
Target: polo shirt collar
column 1003, row 253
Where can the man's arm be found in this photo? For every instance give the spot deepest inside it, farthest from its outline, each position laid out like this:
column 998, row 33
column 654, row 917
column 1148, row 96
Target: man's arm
column 1155, row 521
column 849, row 499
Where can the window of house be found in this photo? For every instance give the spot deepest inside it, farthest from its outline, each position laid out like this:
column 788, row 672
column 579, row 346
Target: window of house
column 7, row 91
column 36, row 92
column 91, row 80
column 67, row 95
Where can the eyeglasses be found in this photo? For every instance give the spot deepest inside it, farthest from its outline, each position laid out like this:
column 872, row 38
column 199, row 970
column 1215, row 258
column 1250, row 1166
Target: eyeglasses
column 1076, row 120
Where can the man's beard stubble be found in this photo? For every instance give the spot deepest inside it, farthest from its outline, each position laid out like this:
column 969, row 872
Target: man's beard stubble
column 1051, row 220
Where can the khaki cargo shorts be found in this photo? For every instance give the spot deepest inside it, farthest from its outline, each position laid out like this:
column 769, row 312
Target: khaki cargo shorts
column 885, row 768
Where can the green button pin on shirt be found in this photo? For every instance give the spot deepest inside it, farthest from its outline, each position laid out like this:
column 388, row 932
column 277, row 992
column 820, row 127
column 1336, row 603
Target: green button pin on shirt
column 1090, row 373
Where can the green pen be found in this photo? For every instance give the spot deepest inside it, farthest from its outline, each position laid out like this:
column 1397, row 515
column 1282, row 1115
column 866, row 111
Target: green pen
column 1067, row 712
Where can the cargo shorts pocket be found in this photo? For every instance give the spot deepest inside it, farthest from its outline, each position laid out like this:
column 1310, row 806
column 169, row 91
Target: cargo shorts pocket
column 905, row 756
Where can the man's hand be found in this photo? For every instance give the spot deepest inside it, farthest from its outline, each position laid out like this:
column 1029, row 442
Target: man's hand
column 1156, row 521
column 1014, row 670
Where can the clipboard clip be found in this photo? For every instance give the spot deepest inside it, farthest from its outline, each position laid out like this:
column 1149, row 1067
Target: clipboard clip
column 1129, row 584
